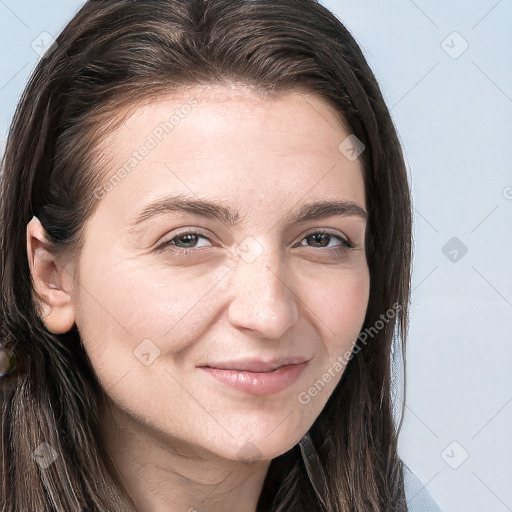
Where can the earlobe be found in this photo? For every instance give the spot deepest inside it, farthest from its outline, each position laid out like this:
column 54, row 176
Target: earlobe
column 52, row 282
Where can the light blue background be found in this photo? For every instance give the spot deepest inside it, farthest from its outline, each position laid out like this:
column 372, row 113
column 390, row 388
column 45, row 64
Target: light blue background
column 454, row 117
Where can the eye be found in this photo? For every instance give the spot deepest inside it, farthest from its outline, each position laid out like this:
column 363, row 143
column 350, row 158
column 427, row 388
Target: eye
column 323, row 239
column 184, row 243
column 187, row 242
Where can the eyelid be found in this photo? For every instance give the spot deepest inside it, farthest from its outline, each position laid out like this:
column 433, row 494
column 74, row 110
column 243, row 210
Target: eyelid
column 161, row 246
column 346, row 243
column 329, row 231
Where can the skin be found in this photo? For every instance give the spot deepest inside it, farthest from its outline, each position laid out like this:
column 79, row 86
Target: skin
column 178, row 437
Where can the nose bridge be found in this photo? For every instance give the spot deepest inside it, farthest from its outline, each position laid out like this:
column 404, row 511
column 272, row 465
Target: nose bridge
column 261, row 298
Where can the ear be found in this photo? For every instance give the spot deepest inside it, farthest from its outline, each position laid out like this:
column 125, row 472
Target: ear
column 52, row 281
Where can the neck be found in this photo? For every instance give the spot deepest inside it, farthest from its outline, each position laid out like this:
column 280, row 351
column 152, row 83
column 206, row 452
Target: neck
column 161, row 474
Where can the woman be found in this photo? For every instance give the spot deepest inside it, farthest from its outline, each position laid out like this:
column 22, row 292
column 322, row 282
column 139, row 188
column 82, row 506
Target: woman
column 206, row 246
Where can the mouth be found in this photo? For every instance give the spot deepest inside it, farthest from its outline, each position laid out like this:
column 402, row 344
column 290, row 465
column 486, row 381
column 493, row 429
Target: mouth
column 258, row 378
column 257, row 365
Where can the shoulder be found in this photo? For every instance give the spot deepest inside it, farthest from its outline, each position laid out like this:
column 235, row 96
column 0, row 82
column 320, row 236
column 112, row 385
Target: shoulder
column 416, row 494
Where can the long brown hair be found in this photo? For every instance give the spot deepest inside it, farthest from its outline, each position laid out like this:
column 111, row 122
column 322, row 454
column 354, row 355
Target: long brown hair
column 117, row 53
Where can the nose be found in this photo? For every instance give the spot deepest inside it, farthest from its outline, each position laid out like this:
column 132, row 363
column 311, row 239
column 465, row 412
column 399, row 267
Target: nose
column 262, row 298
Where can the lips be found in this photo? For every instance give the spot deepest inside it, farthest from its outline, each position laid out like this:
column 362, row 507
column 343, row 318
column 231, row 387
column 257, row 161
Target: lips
column 257, row 366
column 258, row 377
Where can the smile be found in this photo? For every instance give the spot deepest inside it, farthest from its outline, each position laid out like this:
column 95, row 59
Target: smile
column 258, row 383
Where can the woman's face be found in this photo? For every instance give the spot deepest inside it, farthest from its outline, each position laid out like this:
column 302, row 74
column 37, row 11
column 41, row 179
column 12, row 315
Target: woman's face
column 206, row 255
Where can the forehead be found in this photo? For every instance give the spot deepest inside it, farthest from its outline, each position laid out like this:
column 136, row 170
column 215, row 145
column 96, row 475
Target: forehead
column 212, row 109
column 214, row 141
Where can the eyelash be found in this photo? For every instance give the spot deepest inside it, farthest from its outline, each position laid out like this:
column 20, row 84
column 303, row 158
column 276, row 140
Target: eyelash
column 168, row 245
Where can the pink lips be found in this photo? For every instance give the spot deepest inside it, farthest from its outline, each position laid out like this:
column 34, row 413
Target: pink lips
column 258, row 378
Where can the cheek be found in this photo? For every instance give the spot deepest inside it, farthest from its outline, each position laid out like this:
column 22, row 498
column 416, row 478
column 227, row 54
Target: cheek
column 121, row 308
column 339, row 309
column 169, row 305
column 340, row 306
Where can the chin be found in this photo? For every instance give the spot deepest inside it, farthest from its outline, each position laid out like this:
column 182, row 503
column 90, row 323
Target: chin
column 263, row 448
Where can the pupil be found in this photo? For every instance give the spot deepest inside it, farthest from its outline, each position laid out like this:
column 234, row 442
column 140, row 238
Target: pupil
column 187, row 238
column 324, row 237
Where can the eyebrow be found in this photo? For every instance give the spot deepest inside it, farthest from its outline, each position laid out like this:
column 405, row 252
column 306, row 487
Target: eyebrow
column 215, row 211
